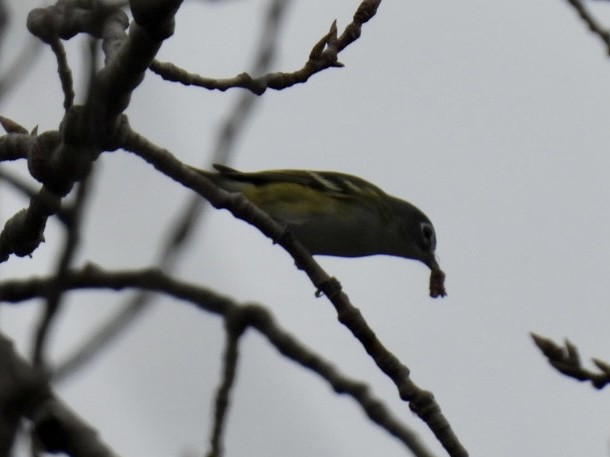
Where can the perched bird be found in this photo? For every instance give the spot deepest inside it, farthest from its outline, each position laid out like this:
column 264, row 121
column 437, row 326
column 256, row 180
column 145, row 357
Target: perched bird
column 338, row 214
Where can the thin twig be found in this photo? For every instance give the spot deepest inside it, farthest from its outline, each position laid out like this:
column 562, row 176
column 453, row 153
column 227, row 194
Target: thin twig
column 221, row 405
column 29, row 191
column 185, row 224
column 95, row 127
column 322, row 56
column 72, row 241
column 101, row 338
column 566, row 360
column 18, row 68
column 244, row 316
column 55, row 293
column 26, row 393
column 64, row 72
column 592, row 23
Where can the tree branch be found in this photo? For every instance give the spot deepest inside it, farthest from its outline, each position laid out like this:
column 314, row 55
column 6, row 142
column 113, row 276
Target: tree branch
column 59, row 159
column 566, row 360
column 26, row 393
column 322, row 56
column 239, row 317
column 183, row 227
column 234, row 328
column 594, row 26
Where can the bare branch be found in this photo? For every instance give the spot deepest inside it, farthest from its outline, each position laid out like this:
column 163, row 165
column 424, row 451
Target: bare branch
column 26, row 393
column 54, row 293
column 102, row 337
column 24, row 60
column 322, row 56
column 72, row 240
column 185, row 223
column 29, row 191
column 240, row 318
column 566, row 360
column 592, row 23
column 65, row 74
column 59, row 159
column 234, row 326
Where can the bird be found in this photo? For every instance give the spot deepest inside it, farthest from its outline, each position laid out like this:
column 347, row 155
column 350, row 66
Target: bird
column 338, row 214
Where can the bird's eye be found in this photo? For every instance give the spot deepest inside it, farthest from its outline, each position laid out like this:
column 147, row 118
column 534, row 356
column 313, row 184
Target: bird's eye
column 428, row 235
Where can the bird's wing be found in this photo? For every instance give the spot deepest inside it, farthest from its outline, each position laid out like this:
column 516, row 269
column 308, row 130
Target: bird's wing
column 338, row 185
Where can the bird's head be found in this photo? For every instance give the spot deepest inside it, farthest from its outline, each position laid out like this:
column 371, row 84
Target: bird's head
column 415, row 238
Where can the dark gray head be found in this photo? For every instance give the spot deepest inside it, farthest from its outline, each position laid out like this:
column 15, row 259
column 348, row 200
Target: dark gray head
column 414, row 236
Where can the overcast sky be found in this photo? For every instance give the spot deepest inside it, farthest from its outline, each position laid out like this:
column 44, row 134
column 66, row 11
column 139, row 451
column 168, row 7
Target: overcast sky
column 492, row 117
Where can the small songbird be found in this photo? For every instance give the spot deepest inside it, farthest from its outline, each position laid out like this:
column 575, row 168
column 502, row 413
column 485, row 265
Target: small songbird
column 338, row 214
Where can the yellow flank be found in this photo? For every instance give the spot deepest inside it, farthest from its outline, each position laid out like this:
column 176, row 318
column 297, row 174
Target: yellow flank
column 293, row 203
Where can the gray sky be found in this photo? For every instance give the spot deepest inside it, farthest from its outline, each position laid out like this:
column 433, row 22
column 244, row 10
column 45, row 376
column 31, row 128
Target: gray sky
column 490, row 116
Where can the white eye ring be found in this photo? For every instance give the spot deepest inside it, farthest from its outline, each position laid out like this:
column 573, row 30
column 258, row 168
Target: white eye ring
column 428, row 235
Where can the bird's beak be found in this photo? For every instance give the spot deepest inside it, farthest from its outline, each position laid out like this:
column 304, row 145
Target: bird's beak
column 432, row 262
